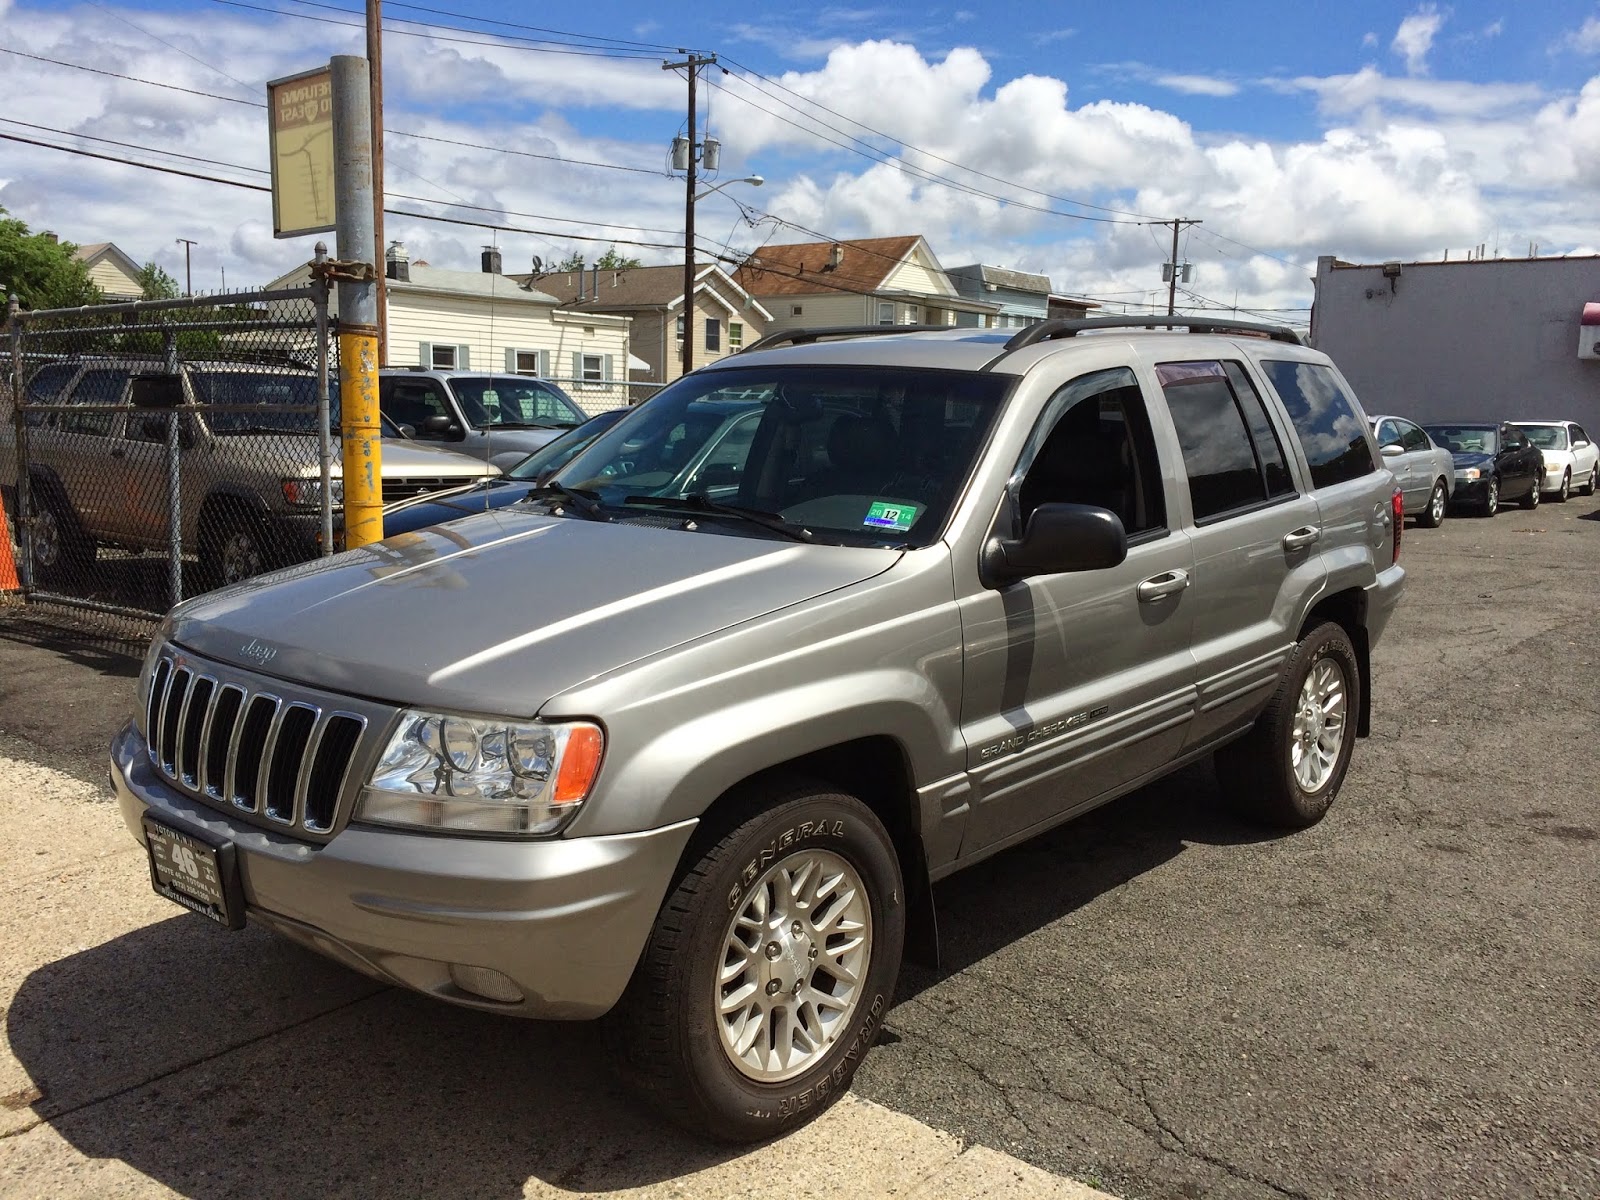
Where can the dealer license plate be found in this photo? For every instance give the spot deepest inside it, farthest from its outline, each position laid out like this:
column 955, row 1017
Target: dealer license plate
column 195, row 871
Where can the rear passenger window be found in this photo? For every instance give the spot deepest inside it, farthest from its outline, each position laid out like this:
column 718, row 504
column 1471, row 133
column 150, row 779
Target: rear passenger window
column 1412, row 438
column 1268, row 449
column 1325, row 419
column 1226, row 469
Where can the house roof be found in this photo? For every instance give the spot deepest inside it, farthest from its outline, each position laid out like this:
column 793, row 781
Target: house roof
column 95, row 251
column 1020, row 281
column 641, row 288
column 803, row 269
column 484, row 284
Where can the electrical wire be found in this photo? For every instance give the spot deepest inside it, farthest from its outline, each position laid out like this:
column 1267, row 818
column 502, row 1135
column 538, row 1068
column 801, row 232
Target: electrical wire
column 171, row 87
column 653, row 47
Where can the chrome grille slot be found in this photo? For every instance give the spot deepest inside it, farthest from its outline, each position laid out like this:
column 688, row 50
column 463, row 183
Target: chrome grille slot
column 258, row 724
column 218, row 736
column 329, row 767
column 193, row 719
column 288, row 753
column 171, row 710
column 280, row 756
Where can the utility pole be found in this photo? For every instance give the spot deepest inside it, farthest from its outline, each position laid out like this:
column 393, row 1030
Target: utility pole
column 1171, row 269
column 188, row 276
column 358, row 300
column 375, row 61
column 693, row 62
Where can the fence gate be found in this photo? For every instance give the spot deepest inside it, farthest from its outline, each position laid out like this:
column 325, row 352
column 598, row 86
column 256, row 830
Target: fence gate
column 154, row 450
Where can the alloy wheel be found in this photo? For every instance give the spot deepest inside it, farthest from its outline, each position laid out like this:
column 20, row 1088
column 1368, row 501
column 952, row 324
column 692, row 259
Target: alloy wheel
column 241, row 557
column 1319, row 725
column 794, row 956
column 46, row 538
column 1436, row 505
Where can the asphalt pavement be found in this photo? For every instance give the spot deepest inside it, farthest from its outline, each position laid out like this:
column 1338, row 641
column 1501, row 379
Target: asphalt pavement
column 1156, row 999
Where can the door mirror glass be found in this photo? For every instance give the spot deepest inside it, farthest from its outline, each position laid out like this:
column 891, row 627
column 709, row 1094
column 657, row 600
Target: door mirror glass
column 1059, row 538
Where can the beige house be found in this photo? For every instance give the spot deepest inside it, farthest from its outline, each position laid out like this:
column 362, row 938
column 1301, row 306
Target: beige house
column 112, row 271
column 486, row 321
column 726, row 318
column 870, row 281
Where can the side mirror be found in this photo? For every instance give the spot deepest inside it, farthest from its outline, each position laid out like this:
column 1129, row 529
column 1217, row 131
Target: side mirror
column 1059, row 538
column 438, row 426
column 407, row 431
column 1392, row 450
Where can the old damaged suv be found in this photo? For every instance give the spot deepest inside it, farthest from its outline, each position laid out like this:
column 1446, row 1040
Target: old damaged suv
column 687, row 748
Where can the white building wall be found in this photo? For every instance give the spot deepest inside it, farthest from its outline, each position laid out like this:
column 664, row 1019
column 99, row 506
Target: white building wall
column 112, row 280
column 817, row 311
column 1495, row 340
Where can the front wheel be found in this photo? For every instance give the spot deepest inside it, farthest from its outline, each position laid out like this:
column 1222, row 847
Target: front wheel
column 1433, row 516
column 770, row 967
column 1289, row 767
column 1564, row 492
column 1491, row 498
column 62, row 553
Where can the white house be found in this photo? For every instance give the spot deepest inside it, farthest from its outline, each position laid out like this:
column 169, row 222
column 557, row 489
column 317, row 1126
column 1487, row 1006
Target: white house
column 112, row 271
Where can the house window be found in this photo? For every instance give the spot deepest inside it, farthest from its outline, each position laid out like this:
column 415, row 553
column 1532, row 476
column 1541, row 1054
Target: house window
column 444, row 358
column 735, row 336
column 680, row 331
column 794, row 310
column 593, row 370
column 913, row 314
column 885, row 312
column 527, row 362
column 713, row 333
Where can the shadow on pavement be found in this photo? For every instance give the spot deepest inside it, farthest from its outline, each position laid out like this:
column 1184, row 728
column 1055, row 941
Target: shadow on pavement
column 226, row 1065
column 65, row 634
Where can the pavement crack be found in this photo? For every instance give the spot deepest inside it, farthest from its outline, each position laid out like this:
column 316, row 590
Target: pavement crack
column 1183, row 1147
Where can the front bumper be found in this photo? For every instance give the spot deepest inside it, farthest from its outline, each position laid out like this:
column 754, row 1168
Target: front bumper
column 563, row 920
column 1470, row 491
column 1550, row 481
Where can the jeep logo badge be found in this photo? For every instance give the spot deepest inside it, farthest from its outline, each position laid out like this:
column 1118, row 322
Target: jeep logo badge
column 258, row 652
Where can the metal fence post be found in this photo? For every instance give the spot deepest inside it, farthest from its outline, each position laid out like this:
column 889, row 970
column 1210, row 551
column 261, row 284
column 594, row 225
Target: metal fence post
column 24, row 513
column 319, row 301
column 169, row 355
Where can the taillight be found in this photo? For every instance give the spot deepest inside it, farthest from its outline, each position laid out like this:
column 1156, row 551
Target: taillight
column 1397, row 505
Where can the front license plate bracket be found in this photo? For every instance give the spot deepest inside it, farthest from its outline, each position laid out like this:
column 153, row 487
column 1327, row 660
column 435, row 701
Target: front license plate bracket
column 197, row 870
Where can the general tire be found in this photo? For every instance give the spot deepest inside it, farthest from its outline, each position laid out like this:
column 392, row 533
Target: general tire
column 1491, row 498
column 1531, row 500
column 1432, row 516
column 666, row 1033
column 1258, row 773
column 62, row 552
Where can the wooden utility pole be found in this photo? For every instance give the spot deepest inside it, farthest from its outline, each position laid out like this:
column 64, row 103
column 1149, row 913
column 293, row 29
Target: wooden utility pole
column 1172, row 267
column 375, row 65
column 694, row 62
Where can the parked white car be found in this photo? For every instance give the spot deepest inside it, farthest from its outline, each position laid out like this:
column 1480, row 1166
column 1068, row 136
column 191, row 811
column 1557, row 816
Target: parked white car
column 1571, row 459
column 1424, row 470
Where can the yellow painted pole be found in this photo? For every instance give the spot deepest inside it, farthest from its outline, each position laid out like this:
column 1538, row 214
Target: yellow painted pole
column 362, row 453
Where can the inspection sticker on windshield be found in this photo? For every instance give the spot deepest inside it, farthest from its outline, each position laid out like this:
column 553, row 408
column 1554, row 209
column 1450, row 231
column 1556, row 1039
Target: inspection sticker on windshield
column 897, row 517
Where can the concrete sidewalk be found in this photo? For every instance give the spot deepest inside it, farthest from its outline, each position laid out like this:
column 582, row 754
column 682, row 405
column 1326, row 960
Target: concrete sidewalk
column 148, row 1054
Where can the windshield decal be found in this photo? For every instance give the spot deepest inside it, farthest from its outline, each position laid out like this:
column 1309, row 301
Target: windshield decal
column 898, row 517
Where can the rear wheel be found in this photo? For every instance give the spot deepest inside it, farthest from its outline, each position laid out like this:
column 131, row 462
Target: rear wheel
column 1593, row 485
column 1287, row 770
column 1531, row 500
column 770, row 968
column 1433, row 516
column 233, row 546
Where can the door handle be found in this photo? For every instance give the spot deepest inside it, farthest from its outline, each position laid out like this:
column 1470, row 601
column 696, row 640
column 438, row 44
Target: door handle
column 1299, row 539
column 1164, row 584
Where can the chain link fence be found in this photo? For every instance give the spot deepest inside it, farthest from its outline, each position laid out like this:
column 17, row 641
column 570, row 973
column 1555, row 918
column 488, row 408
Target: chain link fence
column 153, row 450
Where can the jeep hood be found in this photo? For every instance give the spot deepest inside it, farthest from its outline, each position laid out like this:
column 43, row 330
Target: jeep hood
column 501, row 611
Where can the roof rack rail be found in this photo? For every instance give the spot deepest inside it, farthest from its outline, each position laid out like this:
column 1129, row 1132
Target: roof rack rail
column 1064, row 327
column 804, row 337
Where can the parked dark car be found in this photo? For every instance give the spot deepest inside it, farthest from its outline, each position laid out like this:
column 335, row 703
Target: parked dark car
column 1494, row 462
column 514, row 485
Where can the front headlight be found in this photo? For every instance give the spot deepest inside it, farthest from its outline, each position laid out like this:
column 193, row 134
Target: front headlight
column 522, row 778
column 1469, row 474
column 307, row 493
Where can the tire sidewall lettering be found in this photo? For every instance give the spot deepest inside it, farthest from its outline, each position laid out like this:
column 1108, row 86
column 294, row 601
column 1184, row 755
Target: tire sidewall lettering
column 797, row 833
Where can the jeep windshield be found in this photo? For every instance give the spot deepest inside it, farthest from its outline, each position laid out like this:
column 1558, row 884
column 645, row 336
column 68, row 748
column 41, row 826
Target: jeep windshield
column 848, row 455
column 243, row 401
column 514, row 402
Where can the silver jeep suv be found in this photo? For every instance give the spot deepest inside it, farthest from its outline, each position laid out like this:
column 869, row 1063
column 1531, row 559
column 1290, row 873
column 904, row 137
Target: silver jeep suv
column 687, row 749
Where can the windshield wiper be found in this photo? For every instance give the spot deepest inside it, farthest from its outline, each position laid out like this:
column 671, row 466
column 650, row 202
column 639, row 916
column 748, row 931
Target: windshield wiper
column 584, row 501
column 700, row 502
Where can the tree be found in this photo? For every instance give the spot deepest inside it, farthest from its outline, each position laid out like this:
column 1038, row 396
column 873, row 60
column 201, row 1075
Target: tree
column 156, row 284
column 41, row 271
column 609, row 261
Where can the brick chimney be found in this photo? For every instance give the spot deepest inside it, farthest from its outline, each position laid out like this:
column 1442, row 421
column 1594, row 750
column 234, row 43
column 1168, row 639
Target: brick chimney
column 491, row 261
column 397, row 263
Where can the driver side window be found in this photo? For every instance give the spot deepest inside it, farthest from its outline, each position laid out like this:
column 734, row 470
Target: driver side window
column 1093, row 446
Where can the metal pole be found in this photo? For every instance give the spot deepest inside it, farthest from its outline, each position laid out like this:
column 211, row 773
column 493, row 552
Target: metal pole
column 188, row 275
column 24, row 514
column 358, row 301
column 169, row 348
column 688, row 231
column 375, row 57
column 319, row 299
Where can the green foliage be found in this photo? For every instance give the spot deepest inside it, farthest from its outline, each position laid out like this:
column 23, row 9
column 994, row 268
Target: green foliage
column 42, row 273
column 609, row 261
column 156, row 284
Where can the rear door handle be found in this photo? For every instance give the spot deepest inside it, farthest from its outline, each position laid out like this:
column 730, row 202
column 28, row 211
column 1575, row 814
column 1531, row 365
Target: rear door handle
column 1164, row 584
column 1299, row 539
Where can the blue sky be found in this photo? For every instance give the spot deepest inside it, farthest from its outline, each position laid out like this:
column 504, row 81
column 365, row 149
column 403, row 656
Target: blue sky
column 1365, row 130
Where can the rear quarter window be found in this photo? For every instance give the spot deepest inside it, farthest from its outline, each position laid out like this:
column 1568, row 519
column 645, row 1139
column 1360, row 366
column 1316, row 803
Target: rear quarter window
column 1326, row 419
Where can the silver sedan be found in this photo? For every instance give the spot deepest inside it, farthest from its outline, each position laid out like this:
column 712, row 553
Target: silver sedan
column 1424, row 470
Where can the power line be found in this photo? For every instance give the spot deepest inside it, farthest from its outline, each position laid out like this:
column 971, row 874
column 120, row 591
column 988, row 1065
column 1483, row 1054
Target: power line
column 171, row 87
column 653, row 47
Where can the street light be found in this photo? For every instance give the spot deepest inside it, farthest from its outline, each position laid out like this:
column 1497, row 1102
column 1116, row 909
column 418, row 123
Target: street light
column 752, row 180
column 683, row 150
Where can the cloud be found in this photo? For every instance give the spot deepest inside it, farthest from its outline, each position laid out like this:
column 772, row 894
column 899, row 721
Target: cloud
column 1583, row 40
column 1046, row 37
column 1198, row 85
column 1493, row 29
column 1369, row 39
column 1414, row 38
column 1369, row 88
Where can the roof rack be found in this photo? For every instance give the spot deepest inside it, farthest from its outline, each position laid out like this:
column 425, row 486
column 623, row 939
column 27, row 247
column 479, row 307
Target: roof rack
column 804, row 337
column 1065, row 327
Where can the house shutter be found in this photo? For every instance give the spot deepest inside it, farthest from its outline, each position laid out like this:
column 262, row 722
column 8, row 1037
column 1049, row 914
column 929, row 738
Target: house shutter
column 577, row 364
column 425, row 355
column 544, row 363
column 464, row 358
column 511, row 361
column 608, row 366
